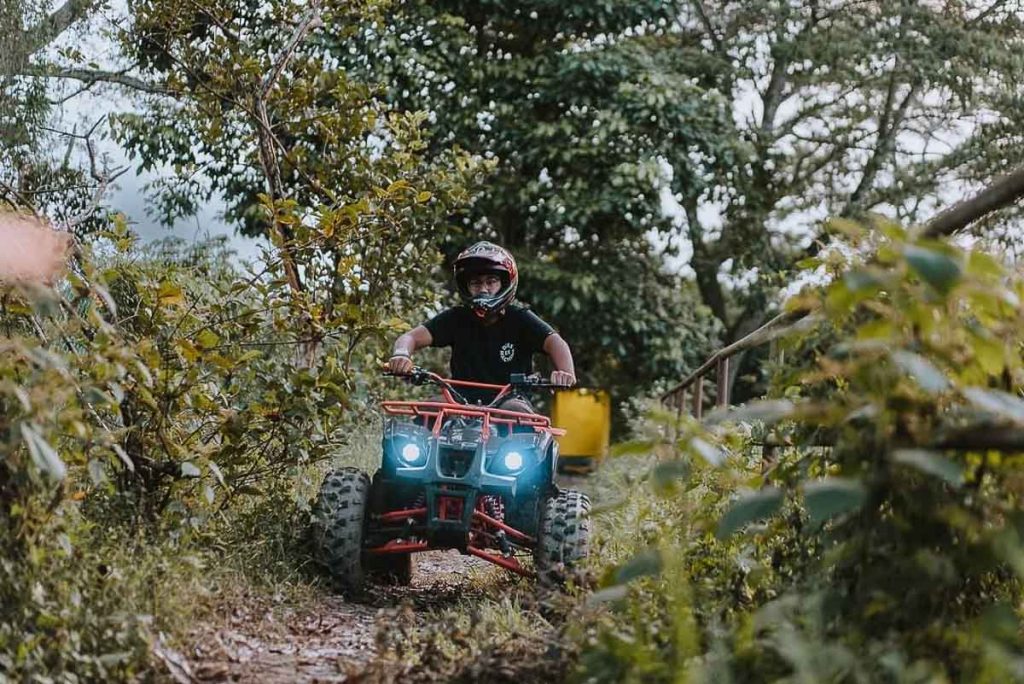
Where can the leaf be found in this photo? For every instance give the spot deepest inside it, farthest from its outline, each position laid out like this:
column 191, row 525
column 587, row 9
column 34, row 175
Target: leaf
column 187, row 350
column 188, row 469
column 644, row 564
column 108, row 301
column 999, row 622
column 169, row 294
column 876, row 329
column 808, row 264
column 892, row 230
column 859, row 279
column 825, row 499
column 665, row 474
column 609, row 595
column 121, row 454
column 930, row 463
column 930, row 378
column 939, row 270
column 423, row 197
column 850, row 229
column 989, row 354
column 215, row 469
column 749, row 507
column 44, row 455
column 981, row 264
column 208, row 339
column 996, row 401
column 767, row 411
column 709, row 452
column 96, row 472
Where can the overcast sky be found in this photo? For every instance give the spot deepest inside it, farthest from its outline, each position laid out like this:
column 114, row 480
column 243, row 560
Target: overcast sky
column 128, row 194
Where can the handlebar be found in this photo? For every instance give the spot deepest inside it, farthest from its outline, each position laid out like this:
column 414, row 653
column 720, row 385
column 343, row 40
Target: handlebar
column 535, row 381
column 519, row 381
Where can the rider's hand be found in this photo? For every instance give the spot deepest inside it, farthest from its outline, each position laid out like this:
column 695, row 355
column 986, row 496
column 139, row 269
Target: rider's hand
column 563, row 378
column 400, row 365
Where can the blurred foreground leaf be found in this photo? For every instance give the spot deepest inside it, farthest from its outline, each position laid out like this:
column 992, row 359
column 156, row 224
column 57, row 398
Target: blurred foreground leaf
column 748, row 508
column 828, row 498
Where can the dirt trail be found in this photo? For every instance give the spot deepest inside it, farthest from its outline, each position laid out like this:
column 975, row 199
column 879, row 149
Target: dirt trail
column 331, row 640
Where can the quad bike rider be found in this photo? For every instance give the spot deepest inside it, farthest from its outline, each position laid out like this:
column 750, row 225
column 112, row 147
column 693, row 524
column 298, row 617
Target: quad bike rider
column 474, row 469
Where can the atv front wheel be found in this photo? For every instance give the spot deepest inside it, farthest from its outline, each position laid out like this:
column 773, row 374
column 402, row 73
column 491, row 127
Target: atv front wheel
column 564, row 535
column 339, row 520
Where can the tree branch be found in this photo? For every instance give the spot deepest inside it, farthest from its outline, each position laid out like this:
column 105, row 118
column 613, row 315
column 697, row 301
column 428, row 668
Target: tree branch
column 702, row 15
column 705, row 265
column 268, row 142
column 1002, row 193
column 984, row 14
column 772, row 95
column 884, row 145
column 93, row 76
column 103, row 180
column 781, row 325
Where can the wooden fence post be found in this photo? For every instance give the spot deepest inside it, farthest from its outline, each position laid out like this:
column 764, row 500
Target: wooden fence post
column 723, row 383
column 698, row 398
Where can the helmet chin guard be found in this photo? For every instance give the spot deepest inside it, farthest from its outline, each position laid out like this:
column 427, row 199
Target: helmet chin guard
column 486, row 258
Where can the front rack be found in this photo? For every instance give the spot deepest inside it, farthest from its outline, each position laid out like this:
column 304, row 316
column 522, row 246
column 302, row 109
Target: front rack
column 439, row 411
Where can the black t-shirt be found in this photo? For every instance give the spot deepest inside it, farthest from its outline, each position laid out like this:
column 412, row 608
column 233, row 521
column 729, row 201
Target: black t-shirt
column 488, row 353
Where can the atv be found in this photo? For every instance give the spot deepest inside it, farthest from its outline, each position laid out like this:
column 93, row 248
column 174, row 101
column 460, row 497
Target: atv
column 453, row 475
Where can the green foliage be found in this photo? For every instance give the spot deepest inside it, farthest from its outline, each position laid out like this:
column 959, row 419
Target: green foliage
column 252, row 111
column 576, row 110
column 753, row 116
column 38, row 169
column 150, row 395
column 890, row 554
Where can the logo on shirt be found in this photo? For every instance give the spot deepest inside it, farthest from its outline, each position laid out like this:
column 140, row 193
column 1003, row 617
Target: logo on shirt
column 508, row 350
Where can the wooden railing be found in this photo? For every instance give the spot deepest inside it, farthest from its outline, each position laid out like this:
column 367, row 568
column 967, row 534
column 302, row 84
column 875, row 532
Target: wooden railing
column 720, row 360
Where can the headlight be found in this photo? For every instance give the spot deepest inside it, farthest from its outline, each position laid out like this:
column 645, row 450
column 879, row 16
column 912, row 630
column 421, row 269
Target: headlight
column 412, row 453
column 513, row 461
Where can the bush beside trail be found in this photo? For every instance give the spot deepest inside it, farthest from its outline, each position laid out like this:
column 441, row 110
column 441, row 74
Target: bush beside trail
column 890, row 554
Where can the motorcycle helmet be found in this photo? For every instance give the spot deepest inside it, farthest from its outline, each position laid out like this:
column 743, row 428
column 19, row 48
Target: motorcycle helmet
column 486, row 258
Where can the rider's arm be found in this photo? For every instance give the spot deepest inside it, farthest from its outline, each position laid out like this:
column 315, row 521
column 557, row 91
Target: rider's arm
column 405, row 345
column 561, row 359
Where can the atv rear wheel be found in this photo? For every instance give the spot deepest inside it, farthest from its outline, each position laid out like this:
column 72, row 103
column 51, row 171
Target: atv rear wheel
column 564, row 536
column 339, row 521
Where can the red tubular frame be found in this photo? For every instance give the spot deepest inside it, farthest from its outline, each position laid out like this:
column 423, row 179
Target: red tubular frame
column 486, row 525
column 485, row 521
column 399, row 516
column 438, row 410
column 394, row 546
column 512, row 532
column 509, row 563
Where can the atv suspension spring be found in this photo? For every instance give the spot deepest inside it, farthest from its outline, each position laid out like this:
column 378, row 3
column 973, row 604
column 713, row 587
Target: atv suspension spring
column 494, row 506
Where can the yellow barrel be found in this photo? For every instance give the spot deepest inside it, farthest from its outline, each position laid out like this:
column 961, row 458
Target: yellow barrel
column 586, row 415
